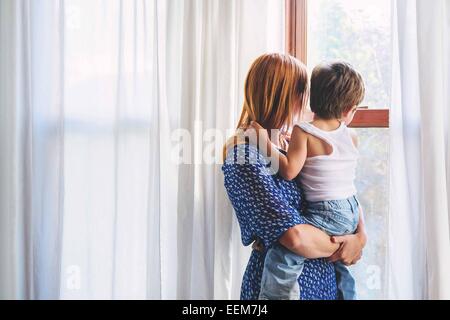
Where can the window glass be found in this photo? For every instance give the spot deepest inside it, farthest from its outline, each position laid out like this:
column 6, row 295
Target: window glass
column 358, row 32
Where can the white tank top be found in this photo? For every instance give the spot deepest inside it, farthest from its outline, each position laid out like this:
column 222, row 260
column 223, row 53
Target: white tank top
column 330, row 177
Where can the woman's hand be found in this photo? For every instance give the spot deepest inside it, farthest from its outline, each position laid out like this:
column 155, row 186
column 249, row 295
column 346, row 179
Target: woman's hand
column 351, row 246
column 350, row 250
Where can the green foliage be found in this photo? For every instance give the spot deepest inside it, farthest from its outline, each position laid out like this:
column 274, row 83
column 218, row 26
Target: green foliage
column 337, row 33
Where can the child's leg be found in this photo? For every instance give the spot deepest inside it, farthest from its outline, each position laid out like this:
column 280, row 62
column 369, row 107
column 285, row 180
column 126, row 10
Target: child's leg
column 337, row 217
column 345, row 282
column 282, row 269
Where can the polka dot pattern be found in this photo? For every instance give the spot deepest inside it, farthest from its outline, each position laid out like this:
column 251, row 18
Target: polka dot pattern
column 266, row 206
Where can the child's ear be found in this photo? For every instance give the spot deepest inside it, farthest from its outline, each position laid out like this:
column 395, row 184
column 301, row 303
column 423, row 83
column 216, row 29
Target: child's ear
column 350, row 110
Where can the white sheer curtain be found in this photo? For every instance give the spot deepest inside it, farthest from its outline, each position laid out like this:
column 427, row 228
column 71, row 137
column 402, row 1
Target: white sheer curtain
column 91, row 205
column 419, row 237
column 32, row 148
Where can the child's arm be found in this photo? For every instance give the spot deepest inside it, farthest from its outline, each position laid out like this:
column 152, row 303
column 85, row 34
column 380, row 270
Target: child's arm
column 291, row 164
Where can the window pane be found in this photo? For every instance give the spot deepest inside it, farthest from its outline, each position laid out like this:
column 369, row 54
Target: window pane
column 358, row 32
column 372, row 182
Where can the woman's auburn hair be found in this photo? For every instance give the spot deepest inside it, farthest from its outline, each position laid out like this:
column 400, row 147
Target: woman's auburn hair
column 276, row 88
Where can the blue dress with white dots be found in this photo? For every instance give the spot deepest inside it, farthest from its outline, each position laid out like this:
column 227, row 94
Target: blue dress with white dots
column 266, row 206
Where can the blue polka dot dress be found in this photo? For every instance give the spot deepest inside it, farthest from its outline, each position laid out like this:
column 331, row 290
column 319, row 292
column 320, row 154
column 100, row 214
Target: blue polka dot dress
column 266, row 206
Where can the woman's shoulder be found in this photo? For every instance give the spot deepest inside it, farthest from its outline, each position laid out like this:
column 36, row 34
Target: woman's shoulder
column 244, row 162
column 237, row 151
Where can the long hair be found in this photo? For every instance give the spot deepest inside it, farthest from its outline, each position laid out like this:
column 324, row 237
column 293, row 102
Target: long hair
column 276, row 89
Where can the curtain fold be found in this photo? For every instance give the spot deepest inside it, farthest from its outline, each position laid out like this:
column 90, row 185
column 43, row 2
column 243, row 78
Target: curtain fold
column 419, row 237
column 218, row 46
column 33, row 97
column 11, row 246
column 93, row 202
column 93, row 94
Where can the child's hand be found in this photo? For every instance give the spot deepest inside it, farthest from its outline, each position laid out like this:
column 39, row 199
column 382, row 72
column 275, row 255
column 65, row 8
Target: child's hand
column 257, row 134
column 262, row 133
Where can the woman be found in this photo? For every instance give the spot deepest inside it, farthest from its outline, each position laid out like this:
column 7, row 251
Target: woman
column 267, row 207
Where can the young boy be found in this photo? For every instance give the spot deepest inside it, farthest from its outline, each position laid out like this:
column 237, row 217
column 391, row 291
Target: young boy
column 323, row 155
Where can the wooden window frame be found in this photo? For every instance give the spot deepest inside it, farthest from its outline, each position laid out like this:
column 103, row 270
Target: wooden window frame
column 297, row 46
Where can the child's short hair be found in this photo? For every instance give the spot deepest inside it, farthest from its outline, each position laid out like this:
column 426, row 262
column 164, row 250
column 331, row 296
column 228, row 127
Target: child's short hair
column 335, row 88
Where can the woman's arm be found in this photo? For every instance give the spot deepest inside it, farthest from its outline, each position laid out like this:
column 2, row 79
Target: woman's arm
column 263, row 212
column 308, row 241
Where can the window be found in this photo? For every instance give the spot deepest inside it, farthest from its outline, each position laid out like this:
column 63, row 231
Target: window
column 358, row 32
column 108, row 121
column 351, row 30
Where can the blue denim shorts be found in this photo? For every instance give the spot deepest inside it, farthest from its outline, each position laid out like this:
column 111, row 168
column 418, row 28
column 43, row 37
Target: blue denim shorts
column 335, row 217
